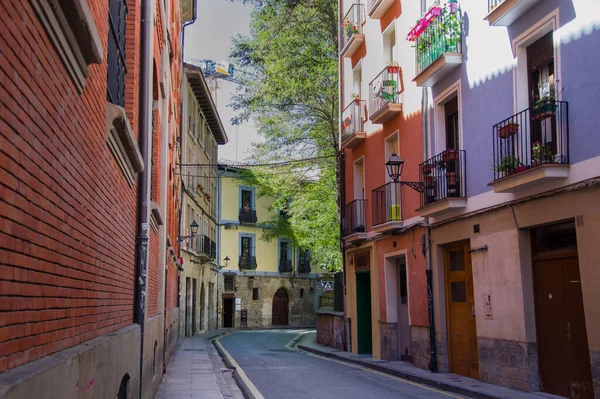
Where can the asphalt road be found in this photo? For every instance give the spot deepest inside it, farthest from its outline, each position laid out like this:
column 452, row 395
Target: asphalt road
column 280, row 372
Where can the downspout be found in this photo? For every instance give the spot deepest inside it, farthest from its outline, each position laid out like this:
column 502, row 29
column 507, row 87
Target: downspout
column 142, row 206
column 433, row 366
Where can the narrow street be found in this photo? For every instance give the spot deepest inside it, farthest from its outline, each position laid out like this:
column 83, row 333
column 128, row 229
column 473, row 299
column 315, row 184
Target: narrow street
column 278, row 371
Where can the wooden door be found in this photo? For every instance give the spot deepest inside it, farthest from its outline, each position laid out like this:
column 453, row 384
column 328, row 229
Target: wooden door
column 563, row 352
column 404, row 351
column 280, row 308
column 462, row 330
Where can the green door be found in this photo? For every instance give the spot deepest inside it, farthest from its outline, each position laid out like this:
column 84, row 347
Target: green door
column 363, row 311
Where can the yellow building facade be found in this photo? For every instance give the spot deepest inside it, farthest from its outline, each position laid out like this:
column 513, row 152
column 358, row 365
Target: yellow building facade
column 261, row 283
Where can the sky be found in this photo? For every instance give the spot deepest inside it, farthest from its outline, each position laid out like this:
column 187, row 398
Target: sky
column 210, row 38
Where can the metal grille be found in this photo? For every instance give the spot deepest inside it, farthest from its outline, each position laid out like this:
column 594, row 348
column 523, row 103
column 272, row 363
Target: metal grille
column 115, row 91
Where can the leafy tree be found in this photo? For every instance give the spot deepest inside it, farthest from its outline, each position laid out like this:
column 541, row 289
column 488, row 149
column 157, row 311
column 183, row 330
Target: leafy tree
column 291, row 92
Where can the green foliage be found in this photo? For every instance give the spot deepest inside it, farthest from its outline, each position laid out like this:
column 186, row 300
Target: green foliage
column 290, row 91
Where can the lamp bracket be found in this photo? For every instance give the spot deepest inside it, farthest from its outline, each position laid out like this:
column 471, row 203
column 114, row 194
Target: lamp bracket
column 415, row 185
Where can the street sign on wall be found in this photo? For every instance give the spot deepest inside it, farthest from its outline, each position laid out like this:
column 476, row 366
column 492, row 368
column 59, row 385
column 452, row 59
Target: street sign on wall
column 327, row 286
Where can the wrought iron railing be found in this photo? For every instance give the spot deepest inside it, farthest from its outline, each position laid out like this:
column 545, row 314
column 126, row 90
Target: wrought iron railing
column 116, row 67
column 354, row 217
column 304, row 266
column 247, row 216
column 213, row 249
column 387, row 203
column 493, row 4
column 247, row 262
column 351, row 24
column 352, row 118
column 385, row 88
column 441, row 33
column 444, row 176
column 203, row 244
column 536, row 136
column 285, row 265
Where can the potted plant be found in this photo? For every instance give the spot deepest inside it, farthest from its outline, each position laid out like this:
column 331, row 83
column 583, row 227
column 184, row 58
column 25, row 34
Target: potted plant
column 207, row 196
column 541, row 154
column 200, row 186
column 356, row 98
column 509, row 129
column 450, row 155
column 545, row 105
column 429, row 181
column 427, row 168
column 451, row 178
column 453, row 5
column 506, row 166
column 393, row 67
column 350, row 28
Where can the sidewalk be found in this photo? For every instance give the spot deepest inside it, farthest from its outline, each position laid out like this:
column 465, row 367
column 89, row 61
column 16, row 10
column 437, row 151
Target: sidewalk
column 444, row 381
column 195, row 371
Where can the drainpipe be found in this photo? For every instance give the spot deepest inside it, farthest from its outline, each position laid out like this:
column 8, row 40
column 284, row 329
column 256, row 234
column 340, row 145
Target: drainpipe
column 433, row 366
column 142, row 206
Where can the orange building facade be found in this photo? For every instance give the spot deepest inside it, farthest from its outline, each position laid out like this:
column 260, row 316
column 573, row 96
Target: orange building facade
column 382, row 233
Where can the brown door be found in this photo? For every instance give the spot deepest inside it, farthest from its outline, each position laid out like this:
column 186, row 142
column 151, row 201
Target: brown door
column 228, row 312
column 462, row 331
column 280, row 308
column 563, row 351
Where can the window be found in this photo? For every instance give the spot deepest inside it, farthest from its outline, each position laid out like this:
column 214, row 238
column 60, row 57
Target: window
column 451, row 114
column 301, row 292
column 283, row 250
column 247, row 199
column 255, row 294
column 229, row 282
column 246, row 246
column 117, row 11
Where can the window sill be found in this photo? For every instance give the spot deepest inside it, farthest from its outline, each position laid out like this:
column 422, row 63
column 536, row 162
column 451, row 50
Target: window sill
column 121, row 142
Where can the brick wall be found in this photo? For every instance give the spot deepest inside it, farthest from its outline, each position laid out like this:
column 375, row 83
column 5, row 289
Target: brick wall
column 67, row 214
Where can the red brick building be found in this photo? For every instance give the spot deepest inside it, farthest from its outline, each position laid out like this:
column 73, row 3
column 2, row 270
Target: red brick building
column 70, row 172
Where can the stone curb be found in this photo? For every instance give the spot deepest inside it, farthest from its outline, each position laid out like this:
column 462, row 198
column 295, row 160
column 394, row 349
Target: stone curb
column 407, row 376
column 228, row 362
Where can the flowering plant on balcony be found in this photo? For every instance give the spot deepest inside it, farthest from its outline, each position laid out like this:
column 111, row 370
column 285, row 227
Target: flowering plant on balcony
column 350, row 28
column 547, row 92
column 541, row 153
column 207, row 196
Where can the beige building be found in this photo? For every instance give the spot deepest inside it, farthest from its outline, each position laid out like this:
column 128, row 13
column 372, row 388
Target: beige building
column 203, row 132
column 261, row 283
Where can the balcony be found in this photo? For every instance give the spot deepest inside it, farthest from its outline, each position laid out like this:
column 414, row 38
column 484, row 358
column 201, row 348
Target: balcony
column 247, row 215
column 384, row 95
column 304, row 265
column 378, row 8
column 531, row 147
column 354, row 221
column 351, row 31
column 505, row 12
column 285, row 265
column 387, row 208
column 438, row 37
column 247, row 262
column 444, row 178
column 203, row 247
column 213, row 250
column 353, row 128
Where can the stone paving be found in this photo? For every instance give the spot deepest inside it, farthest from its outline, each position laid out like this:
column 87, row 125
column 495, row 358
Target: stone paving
column 195, row 371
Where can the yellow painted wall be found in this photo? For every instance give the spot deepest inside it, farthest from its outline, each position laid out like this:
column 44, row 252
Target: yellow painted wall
column 266, row 252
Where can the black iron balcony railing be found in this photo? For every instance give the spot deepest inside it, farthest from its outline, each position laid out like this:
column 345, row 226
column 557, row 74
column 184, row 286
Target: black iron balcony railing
column 247, row 216
column 304, row 266
column 354, row 217
column 351, row 24
column 285, row 265
column 536, row 136
column 352, row 118
column 444, row 176
column 387, row 203
column 202, row 244
column 441, row 33
column 213, row 249
column 493, row 4
column 385, row 88
column 247, row 262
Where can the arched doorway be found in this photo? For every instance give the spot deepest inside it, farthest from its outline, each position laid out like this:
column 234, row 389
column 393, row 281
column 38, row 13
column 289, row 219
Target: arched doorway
column 280, row 308
column 202, row 310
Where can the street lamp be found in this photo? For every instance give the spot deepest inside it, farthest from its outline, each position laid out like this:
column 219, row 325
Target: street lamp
column 193, row 228
column 226, row 261
column 394, row 168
